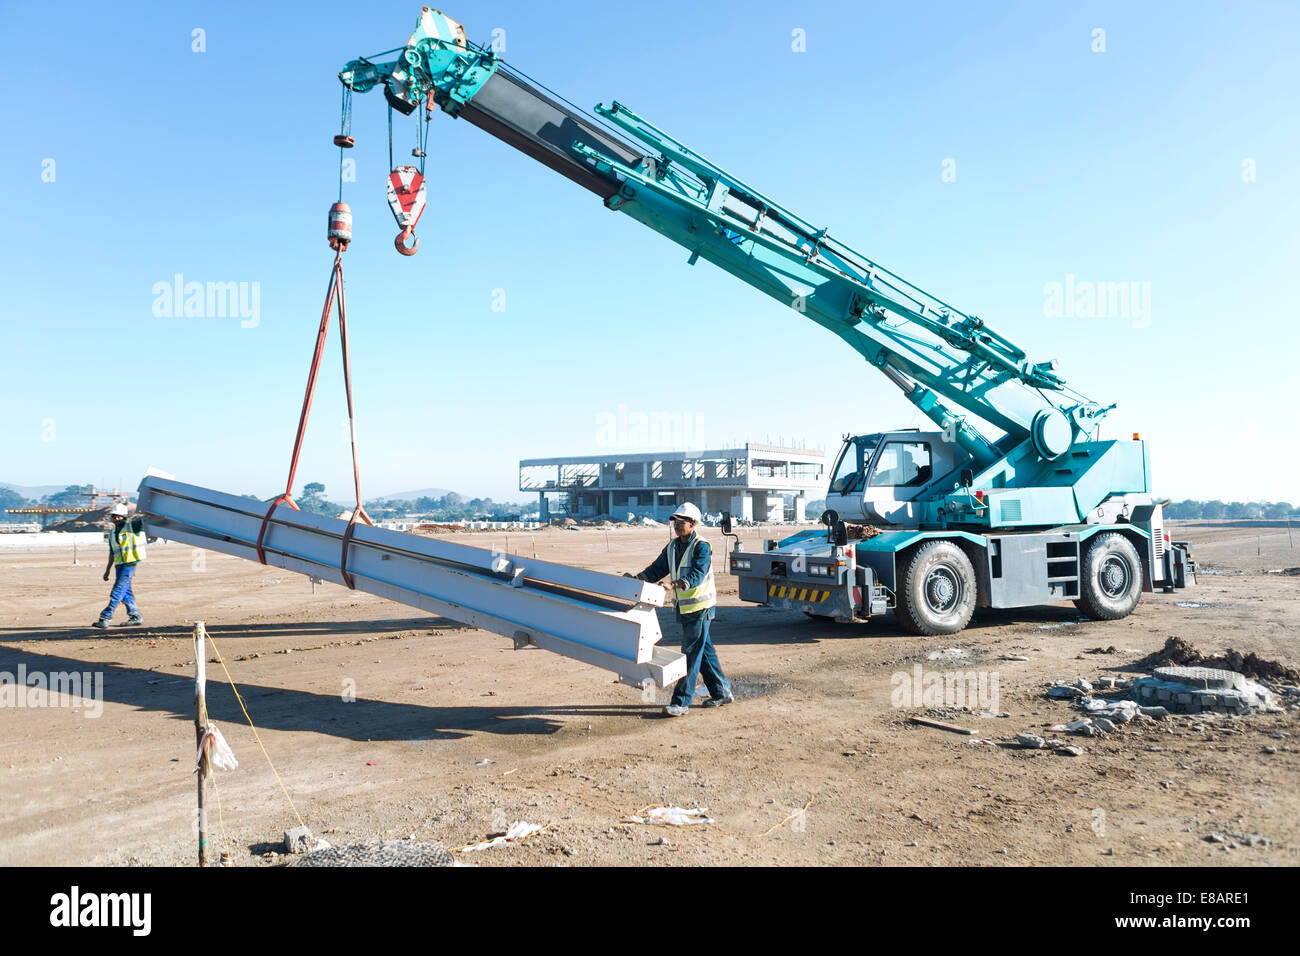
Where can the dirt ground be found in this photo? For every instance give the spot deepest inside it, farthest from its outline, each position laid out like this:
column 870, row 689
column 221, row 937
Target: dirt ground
column 453, row 734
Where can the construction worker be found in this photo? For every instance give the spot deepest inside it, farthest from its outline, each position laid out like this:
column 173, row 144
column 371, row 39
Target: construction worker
column 687, row 563
column 125, row 552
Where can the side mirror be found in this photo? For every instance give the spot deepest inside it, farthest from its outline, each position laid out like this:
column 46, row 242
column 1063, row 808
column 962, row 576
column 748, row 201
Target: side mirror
column 840, row 534
column 726, row 522
column 829, row 517
column 967, row 477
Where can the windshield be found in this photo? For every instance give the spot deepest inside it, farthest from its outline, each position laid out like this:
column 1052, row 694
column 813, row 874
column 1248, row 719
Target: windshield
column 852, row 464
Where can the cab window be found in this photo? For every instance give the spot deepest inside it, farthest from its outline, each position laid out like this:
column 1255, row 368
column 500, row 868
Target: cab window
column 903, row 464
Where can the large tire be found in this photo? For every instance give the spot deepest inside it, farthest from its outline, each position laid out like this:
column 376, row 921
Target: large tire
column 1111, row 581
column 937, row 590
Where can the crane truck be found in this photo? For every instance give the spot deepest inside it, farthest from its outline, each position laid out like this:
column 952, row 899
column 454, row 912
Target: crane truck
column 1046, row 512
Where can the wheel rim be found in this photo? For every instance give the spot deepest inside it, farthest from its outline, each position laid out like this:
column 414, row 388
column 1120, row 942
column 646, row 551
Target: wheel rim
column 943, row 589
column 1114, row 576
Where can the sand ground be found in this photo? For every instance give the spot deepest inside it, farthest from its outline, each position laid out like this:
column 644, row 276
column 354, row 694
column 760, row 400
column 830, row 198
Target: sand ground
column 453, row 733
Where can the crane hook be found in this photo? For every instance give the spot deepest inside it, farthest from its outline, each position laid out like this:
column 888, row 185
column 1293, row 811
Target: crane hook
column 406, row 197
column 402, row 237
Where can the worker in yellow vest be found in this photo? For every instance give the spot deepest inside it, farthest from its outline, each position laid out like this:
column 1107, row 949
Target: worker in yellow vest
column 125, row 552
column 687, row 563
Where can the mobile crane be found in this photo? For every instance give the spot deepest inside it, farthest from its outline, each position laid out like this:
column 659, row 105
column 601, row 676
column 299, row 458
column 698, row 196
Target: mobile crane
column 1045, row 513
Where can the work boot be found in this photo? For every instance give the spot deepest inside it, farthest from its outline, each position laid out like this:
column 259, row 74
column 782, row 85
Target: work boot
column 135, row 620
column 100, row 622
column 675, row 710
column 719, row 701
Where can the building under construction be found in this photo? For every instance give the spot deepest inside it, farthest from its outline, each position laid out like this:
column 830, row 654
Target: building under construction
column 753, row 482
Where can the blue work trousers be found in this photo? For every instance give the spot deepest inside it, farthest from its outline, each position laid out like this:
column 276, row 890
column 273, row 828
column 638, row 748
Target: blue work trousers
column 122, row 593
column 701, row 659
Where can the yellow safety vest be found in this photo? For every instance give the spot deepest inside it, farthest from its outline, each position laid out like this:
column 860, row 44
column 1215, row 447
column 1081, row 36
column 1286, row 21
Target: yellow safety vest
column 127, row 545
column 693, row 599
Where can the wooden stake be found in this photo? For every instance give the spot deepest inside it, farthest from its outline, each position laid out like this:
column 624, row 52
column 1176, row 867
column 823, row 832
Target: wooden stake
column 938, row 725
column 200, row 727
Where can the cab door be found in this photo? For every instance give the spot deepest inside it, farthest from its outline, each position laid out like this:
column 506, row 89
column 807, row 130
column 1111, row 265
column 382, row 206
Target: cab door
column 903, row 470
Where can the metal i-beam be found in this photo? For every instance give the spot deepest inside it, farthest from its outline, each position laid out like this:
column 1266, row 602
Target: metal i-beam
column 602, row 619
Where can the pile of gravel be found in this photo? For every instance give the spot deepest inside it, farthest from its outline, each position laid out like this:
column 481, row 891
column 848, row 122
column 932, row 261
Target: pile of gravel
column 379, row 853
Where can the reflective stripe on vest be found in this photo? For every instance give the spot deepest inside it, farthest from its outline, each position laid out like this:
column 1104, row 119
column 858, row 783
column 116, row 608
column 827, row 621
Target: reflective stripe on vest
column 127, row 545
column 692, row 599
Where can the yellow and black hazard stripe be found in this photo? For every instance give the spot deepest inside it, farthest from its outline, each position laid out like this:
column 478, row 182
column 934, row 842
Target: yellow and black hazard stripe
column 796, row 593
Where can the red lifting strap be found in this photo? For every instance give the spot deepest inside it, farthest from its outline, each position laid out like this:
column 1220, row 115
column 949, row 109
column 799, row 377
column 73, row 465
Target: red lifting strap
column 335, row 287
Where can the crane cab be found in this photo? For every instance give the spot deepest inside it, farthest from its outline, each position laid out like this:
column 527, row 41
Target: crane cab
column 885, row 477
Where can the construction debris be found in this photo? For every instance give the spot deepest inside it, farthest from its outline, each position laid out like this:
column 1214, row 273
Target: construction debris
column 674, row 816
column 517, row 832
column 940, row 725
column 379, row 853
column 861, row 532
column 1183, row 681
column 1179, row 653
column 1193, row 690
column 298, row 840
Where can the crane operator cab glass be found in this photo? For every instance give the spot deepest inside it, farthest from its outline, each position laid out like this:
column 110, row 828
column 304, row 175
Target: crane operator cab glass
column 879, row 478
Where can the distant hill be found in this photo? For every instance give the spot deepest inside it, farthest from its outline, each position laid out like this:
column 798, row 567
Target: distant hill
column 412, row 495
column 32, row 491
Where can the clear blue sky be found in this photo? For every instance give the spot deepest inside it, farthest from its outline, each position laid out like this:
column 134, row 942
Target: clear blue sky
column 1124, row 165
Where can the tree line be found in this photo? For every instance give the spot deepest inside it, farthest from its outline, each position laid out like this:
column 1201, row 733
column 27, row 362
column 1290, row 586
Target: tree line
column 1191, row 509
column 448, row 507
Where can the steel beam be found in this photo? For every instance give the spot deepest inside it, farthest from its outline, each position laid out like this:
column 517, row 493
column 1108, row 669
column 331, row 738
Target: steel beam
column 602, row 619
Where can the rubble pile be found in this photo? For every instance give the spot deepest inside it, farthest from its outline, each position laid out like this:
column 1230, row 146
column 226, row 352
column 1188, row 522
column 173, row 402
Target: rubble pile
column 1179, row 653
column 1177, row 689
column 1193, row 690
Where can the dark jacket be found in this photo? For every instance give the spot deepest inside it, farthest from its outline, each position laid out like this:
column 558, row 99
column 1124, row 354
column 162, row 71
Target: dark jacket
column 693, row 574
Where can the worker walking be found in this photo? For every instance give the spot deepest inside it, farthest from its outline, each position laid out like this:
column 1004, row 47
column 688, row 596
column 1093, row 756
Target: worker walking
column 125, row 552
column 687, row 562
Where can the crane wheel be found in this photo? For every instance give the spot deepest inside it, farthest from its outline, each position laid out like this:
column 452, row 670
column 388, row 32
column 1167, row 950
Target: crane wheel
column 1111, row 583
column 937, row 590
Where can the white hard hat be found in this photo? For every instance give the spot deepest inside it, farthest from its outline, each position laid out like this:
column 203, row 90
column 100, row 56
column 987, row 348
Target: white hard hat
column 688, row 511
column 119, row 509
